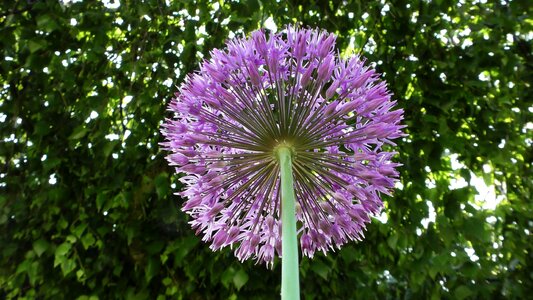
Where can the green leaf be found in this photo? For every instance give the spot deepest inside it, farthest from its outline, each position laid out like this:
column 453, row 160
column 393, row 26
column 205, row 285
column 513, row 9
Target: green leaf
column 321, row 269
column 100, row 201
column 392, row 241
column 227, row 276
column 71, row 239
column 50, row 163
column 46, row 23
column 167, row 281
column 88, row 240
column 23, row 267
column 462, row 292
column 78, row 230
column 155, row 247
column 80, row 274
column 78, row 132
column 33, row 272
column 240, row 279
column 474, row 229
column 108, row 147
column 67, row 266
column 162, row 185
column 36, row 44
column 186, row 245
column 152, row 268
column 63, row 249
column 40, row 246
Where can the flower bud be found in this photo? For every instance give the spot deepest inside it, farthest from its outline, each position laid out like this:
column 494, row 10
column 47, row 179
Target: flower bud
column 326, row 68
column 255, row 78
column 350, row 106
column 260, row 42
column 300, row 45
column 195, row 169
column 307, row 245
column 332, row 89
column 178, row 159
column 326, row 45
column 361, row 79
column 192, row 202
column 330, row 108
column 306, row 76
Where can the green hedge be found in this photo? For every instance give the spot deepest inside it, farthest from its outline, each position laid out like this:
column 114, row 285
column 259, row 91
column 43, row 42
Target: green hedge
column 87, row 209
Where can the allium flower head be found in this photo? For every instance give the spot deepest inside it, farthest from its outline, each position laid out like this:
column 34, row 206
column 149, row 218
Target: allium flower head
column 291, row 90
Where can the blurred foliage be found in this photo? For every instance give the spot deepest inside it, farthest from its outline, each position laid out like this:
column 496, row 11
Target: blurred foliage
column 86, row 203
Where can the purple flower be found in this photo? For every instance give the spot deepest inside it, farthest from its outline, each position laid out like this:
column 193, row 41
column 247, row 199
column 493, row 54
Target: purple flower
column 289, row 89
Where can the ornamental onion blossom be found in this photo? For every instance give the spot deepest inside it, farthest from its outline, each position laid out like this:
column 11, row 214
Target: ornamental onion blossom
column 288, row 89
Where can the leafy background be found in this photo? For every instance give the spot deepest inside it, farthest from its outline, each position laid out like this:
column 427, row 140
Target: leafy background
column 86, row 203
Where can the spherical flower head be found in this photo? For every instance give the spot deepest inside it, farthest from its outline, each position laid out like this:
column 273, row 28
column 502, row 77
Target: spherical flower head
column 285, row 90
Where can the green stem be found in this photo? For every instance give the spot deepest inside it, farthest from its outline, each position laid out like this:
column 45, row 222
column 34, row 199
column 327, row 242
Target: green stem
column 290, row 282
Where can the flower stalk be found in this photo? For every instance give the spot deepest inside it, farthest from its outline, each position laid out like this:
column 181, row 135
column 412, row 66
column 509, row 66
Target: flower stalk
column 290, row 282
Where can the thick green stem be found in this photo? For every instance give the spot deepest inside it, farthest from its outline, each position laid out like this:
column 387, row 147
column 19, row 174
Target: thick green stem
column 290, row 282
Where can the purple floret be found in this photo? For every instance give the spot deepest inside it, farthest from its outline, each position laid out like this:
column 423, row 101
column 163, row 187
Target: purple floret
column 286, row 89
